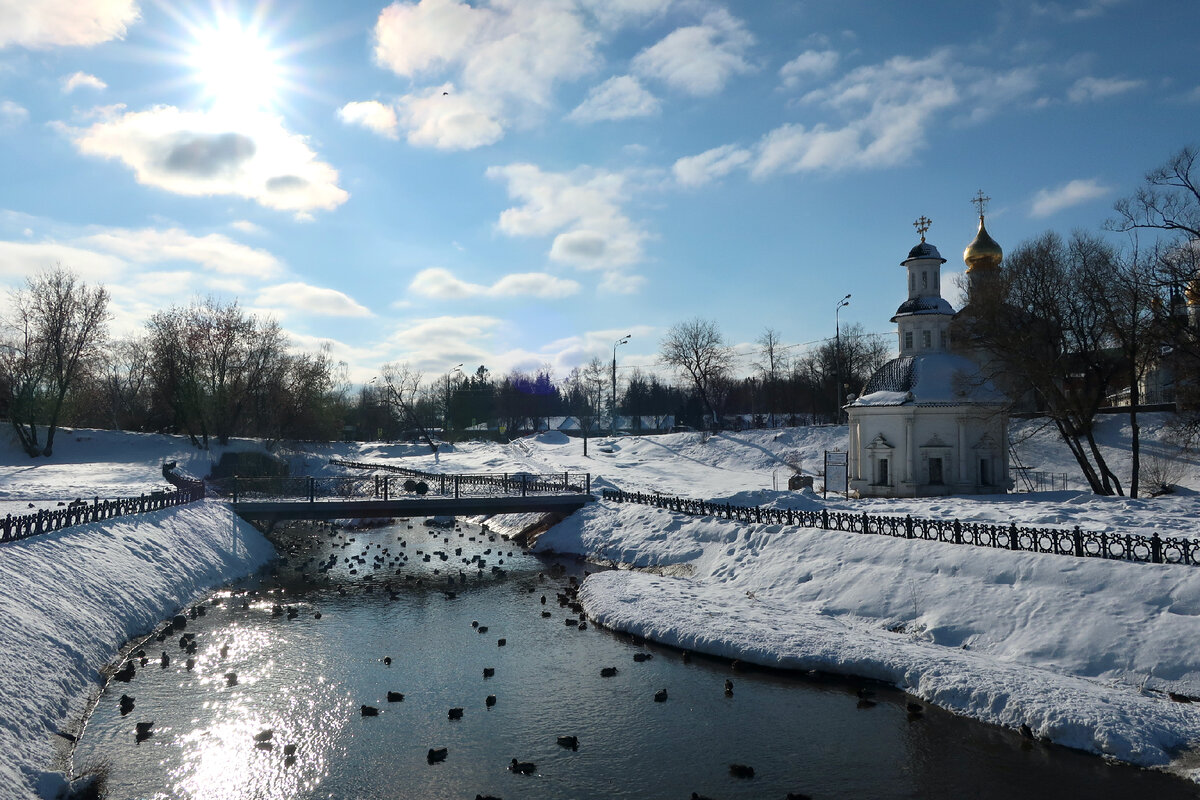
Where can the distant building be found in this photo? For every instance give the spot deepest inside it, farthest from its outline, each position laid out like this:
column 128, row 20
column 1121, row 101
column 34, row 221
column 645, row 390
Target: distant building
column 928, row 422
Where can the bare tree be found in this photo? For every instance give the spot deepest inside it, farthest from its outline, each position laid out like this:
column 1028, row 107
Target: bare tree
column 771, row 362
column 403, row 386
column 697, row 348
column 57, row 333
column 1041, row 324
column 1169, row 201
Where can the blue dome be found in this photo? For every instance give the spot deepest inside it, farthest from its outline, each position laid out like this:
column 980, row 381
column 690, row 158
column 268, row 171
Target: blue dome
column 923, row 250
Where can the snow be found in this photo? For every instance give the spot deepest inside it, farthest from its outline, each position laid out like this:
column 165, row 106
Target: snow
column 1083, row 651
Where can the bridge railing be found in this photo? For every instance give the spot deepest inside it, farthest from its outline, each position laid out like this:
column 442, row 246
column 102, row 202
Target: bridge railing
column 486, row 484
column 400, row 483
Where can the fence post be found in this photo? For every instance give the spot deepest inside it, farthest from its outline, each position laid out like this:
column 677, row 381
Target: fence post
column 908, row 526
column 789, row 514
column 1077, row 539
column 1156, row 549
column 866, row 523
column 589, row 483
column 957, row 531
column 522, row 485
column 824, row 519
column 312, row 489
column 456, row 486
column 1014, row 543
column 235, row 488
column 386, row 480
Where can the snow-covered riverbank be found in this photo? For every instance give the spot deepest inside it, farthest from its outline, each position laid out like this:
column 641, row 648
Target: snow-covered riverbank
column 70, row 599
column 1081, row 651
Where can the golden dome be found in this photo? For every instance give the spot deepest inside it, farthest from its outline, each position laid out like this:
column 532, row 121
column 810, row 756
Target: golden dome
column 983, row 253
column 1192, row 292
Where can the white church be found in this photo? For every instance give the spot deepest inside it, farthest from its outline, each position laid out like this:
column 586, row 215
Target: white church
column 928, row 422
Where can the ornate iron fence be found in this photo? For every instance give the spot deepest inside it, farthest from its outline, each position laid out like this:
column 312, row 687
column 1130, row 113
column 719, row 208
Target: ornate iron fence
column 79, row 512
column 458, row 485
column 1075, row 542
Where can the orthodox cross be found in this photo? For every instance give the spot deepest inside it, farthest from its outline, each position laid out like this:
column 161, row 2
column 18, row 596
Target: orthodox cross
column 980, row 201
column 922, row 224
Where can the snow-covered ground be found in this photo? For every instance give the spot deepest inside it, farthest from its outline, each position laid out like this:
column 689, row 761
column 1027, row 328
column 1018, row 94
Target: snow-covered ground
column 1083, row 651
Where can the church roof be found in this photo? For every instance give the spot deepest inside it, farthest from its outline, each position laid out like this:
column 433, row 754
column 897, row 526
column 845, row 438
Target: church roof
column 924, row 305
column 930, row 379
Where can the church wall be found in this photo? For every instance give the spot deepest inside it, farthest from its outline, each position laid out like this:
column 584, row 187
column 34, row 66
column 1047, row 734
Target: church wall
column 911, row 451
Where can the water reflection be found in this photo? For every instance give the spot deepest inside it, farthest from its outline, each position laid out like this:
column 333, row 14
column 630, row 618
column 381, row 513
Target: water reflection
column 391, row 621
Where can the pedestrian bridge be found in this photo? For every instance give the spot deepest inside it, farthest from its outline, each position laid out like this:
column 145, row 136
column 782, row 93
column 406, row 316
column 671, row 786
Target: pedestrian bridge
column 373, row 490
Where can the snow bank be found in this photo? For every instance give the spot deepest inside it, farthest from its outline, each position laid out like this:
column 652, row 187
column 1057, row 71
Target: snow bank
column 70, row 599
column 1083, row 651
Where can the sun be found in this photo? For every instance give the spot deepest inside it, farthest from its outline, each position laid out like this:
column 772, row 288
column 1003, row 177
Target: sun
column 236, row 67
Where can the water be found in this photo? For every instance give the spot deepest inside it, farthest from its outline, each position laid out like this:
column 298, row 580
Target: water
column 305, row 679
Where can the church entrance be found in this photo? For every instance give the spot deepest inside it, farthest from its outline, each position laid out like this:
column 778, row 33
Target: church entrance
column 935, row 471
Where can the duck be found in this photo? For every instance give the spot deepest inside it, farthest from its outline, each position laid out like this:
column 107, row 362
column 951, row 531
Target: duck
column 660, row 696
column 126, row 704
column 522, row 767
column 143, row 731
column 395, row 697
column 489, row 672
column 741, row 771
column 728, row 688
column 569, row 742
column 490, row 700
column 369, row 711
column 608, row 672
column 456, row 713
column 436, row 754
column 264, row 736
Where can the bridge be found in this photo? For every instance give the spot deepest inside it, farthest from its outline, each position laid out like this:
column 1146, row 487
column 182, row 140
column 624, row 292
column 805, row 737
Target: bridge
column 390, row 491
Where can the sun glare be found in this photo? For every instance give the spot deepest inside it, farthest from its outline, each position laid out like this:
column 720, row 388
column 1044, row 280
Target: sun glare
column 236, row 67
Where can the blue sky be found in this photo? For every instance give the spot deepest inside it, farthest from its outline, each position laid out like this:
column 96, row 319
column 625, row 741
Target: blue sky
column 518, row 183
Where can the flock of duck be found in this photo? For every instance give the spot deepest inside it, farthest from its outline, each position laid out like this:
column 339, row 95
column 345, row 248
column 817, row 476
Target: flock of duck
column 376, row 559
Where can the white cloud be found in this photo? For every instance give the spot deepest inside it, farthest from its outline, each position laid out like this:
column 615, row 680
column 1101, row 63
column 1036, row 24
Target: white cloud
column 19, row 259
column 449, row 120
column 583, row 209
column 712, row 164
column 615, row 13
column 12, row 114
column 430, row 344
column 1089, row 88
column 810, row 63
column 622, row 283
column 1072, row 193
column 441, row 283
column 370, row 114
column 311, row 300
column 53, row 23
column 78, row 80
column 246, row 226
column 508, row 57
column 619, row 97
column 213, row 251
column 200, row 154
column 699, row 59
column 888, row 108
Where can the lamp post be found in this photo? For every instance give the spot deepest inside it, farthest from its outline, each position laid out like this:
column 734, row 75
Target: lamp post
column 613, row 412
column 446, row 415
column 837, row 356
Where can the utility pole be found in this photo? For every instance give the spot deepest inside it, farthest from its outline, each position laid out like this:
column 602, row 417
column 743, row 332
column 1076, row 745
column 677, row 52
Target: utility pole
column 837, row 357
column 613, row 412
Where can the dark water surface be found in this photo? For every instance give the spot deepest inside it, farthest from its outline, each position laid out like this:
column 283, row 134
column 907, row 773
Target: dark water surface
column 305, row 679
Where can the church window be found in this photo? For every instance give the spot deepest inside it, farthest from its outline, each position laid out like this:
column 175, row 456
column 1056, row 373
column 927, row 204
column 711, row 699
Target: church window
column 924, row 279
column 908, row 343
column 883, row 473
column 912, row 281
column 926, row 339
column 942, row 339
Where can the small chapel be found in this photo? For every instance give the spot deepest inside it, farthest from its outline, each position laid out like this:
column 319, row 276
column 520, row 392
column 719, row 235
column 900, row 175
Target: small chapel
column 928, row 422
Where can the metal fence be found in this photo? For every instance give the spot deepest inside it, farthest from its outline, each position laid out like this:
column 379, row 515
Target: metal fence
column 80, row 512
column 1074, row 542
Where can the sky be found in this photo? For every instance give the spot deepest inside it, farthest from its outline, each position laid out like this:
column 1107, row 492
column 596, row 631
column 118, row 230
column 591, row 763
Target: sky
column 520, row 183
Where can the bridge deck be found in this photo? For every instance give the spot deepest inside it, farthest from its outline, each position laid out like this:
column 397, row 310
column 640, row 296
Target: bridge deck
column 273, row 510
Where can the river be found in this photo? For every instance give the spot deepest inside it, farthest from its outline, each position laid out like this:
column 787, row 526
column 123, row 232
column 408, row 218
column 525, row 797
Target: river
column 292, row 658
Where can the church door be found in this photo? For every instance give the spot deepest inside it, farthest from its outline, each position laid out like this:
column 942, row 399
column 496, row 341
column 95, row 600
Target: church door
column 935, row 470
column 985, row 472
column 883, row 472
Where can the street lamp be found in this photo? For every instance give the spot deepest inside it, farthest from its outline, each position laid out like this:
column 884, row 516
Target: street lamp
column 613, row 413
column 837, row 356
column 446, row 414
